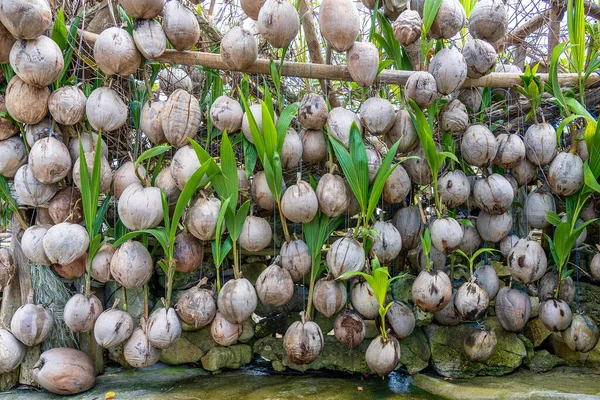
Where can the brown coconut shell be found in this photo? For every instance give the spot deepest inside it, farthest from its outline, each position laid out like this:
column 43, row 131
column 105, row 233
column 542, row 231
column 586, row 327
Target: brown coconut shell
column 6, row 43
column 49, row 160
column 313, row 111
column 32, row 244
column 180, row 25
column 13, row 350
column 382, row 357
column 105, row 172
column 115, row 52
column 291, row 152
column 26, row 19
column 7, row 127
column 140, row 207
column 223, row 332
column 329, row 297
column 88, row 143
column 237, row 300
column 125, row 176
column 7, row 267
column 131, row 265
column 163, row 328
column 149, row 38
column 29, row 190
column 38, row 62
column 226, row 113
column 67, row 105
column 143, row 9
column 151, row 121
column 299, row 203
column 256, row 234
column 421, row 87
column 201, row 218
column 339, row 23
column 196, row 307
column 172, row 78
column 339, row 123
column 363, row 63
column 81, row 312
column 278, row 22
column 100, row 269
column 450, row 18
column 105, row 110
column 113, row 327
column 332, row 196
column 314, row 146
column 488, row 20
column 295, row 257
column 65, row 242
column 274, row 286
column 26, row 103
column 349, row 328
column 188, row 252
column 345, row 255
column 251, row 8
column 13, row 155
column 303, row 342
column 180, row 118
column 407, row 27
column 138, row 351
column 239, row 50
column 64, row 371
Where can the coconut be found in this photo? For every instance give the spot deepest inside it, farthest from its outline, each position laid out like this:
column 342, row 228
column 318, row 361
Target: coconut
column 115, row 52
column 401, row 320
column 313, row 111
column 163, row 328
column 113, row 327
column 183, row 165
column 583, row 334
column 397, row 186
column 471, row 97
column 31, row 323
column 291, row 152
column 261, row 194
column 26, row 19
column 363, row 63
column 454, row 117
column 65, row 242
column 72, row 270
column 243, row 186
column 226, row 114
column 201, row 218
column 388, row 244
column 418, row 168
column 275, row 286
column 391, row 8
column 480, row 57
column 13, row 351
column 527, row 261
column 299, row 203
column 125, row 176
column 7, row 127
column 448, row 316
column 480, row 345
column 223, row 332
column 446, row 234
column 377, row 115
column 38, row 62
column 525, row 172
column 471, row 301
column 67, row 105
column 31, row 244
column 278, row 22
column 251, row 8
column 172, row 78
column 507, row 244
column 373, row 163
column 345, row 255
column 410, row 225
column 105, row 110
column 511, row 151
column 13, row 155
column 6, row 42
column 454, row 188
column 329, row 296
column 29, row 190
column 449, row 19
column 432, row 290
column 180, row 118
column 131, row 265
column 140, row 207
column 239, row 50
column 488, row 20
column 89, row 145
column 349, row 328
column 340, row 33
column 565, row 174
column 100, row 269
column 546, row 287
column 81, row 312
column 493, row 194
column 165, row 182
column 196, row 307
column 180, row 25
column 471, row 241
column 314, row 147
column 151, row 122
column 595, row 266
column 339, row 123
column 536, row 207
column 555, row 315
column 296, row 259
column 589, row 210
column 303, row 342
column 149, row 38
column 407, row 27
column 105, row 172
column 138, row 351
column 478, row 146
column 256, row 234
column 421, row 87
column 448, row 67
column 7, row 266
column 363, row 299
column 437, row 259
column 540, row 143
column 256, row 110
column 26, row 103
column 64, row 371
column 404, row 131
column 487, row 279
column 513, row 308
column 188, row 252
column 49, row 160
column 237, row 300
column 383, row 356
column 143, row 9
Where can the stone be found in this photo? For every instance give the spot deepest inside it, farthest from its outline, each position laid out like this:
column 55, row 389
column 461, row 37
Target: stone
column 278, row 324
column 252, row 270
column 589, row 301
column 200, row 339
column 247, row 331
column 295, row 305
column 536, row 332
column 372, row 330
column 543, row 361
column 135, row 299
column 535, row 306
column 182, row 351
column 182, row 281
column 573, row 358
column 501, row 269
column 116, row 354
column 227, row 357
column 414, row 352
column 448, row 357
column 422, row 318
column 402, row 288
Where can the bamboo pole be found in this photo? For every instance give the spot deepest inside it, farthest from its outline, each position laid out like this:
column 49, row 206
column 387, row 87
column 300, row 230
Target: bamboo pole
column 340, row 72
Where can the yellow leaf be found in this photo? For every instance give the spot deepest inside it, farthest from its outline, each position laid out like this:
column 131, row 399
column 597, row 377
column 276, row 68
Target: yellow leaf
column 109, row 395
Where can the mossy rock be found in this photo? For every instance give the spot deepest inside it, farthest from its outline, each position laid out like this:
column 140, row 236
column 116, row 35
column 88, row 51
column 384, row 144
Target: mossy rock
column 181, row 352
column 232, row 357
column 200, row 339
column 536, row 332
column 414, row 352
column 543, row 361
column 247, row 331
column 251, row 271
column 402, row 288
column 135, row 299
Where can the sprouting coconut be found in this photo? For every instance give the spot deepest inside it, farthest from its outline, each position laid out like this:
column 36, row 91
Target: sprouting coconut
column 471, row 240
column 540, row 143
column 407, row 27
column 314, row 146
column 383, row 356
column 151, row 122
column 340, row 33
column 446, row 234
column 237, row 300
column 349, row 328
column 432, row 290
column 26, row 103
column 332, row 196
column 480, row 57
column 125, row 176
column 275, row 286
column 131, row 265
column 113, row 327
column 251, row 8
column 583, row 334
column 421, row 87
column 187, row 252
column 363, row 63
column 511, row 150
column 373, row 162
column 404, row 131
column 140, row 207
column 513, row 308
column 527, row 261
column 7, row 267
column 409, row 223
column 67, row 105
column 303, row 342
column 299, row 203
column 239, row 50
column 565, row 174
column 224, row 332
column 449, row 19
column 487, row 278
column 64, row 371
column 100, row 268
column 32, row 323
column 448, row 316
column 471, row 98
column 183, row 165
column 105, row 172
column 163, row 328
column 81, row 312
column 65, row 242
column 488, row 20
column 556, row 315
column 88, row 142
column 295, row 257
column 454, row 117
column 454, row 188
column 345, row 254
column 507, row 244
column 437, row 259
column 401, row 320
column 339, row 123
column 115, row 52
column 536, row 207
column 471, row 301
column 180, row 118
column 149, row 38
column 26, row 19
column 38, row 62
column 449, row 69
column 547, row 287
column 256, row 110
column 138, row 351
column 226, row 114
column 261, row 194
column 493, row 228
column 172, row 78
column 377, row 115
column 256, row 234
column 105, row 110
column 397, row 186
column 143, row 9
column 13, row 351
column 13, row 155
column 388, row 244
column 202, row 216
column 417, row 168
column 493, row 194
column 291, row 152
column 180, row 25
column 329, row 296
column 278, row 22
column 478, row 145
column 313, row 111
column 196, row 306
column 480, row 345
column 363, row 299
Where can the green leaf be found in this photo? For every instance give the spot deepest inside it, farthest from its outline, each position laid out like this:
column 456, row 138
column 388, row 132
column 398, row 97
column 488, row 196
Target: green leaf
column 218, row 180
column 383, row 174
column 590, row 180
column 269, row 133
column 430, row 10
column 229, row 169
column 153, row 152
column 347, row 165
column 360, row 162
column 283, row 123
column 553, row 218
column 160, row 234
column 240, row 218
column 59, row 31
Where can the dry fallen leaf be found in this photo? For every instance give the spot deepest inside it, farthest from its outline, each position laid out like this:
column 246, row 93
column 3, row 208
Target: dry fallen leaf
column 359, row 388
column 109, row 395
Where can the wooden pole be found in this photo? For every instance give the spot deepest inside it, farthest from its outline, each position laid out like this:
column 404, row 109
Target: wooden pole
column 340, row 72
